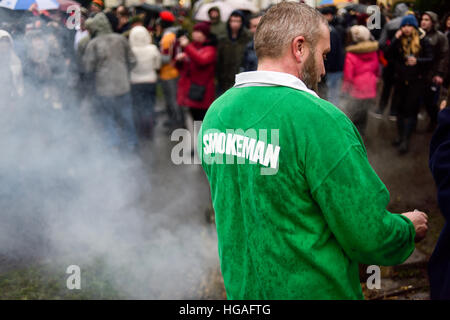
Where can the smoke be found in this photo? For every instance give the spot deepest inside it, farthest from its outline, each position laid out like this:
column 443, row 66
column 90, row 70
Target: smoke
column 67, row 198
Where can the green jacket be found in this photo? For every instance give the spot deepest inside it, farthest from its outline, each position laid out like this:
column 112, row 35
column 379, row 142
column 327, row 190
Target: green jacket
column 298, row 231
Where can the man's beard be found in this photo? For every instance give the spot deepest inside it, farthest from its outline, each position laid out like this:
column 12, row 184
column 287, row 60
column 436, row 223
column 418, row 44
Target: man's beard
column 309, row 74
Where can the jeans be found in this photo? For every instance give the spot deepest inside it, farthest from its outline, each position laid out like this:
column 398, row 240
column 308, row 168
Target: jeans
column 169, row 87
column 334, row 84
column 115, row 115
column 144, row 95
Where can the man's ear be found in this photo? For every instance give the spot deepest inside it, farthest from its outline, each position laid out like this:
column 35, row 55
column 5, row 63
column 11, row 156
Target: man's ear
column 298, row 48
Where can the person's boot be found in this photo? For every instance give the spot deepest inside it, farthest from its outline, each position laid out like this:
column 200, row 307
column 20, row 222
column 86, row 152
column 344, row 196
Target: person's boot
column 404, row 146
column 401, row 133
column 397, row 142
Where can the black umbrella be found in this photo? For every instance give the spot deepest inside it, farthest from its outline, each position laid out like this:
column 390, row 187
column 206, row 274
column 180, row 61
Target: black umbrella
column 361, row 8
column 151, row 8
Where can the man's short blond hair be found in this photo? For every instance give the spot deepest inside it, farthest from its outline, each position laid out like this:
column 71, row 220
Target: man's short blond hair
column 282, row 23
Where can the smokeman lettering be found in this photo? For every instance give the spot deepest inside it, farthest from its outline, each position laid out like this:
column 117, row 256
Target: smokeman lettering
column 242, row 147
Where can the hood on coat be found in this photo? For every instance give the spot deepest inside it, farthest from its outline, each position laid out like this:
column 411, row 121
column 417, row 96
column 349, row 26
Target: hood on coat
column 400, row 10
column 219, row 19
column 434, row 18
column 363, row 47
column 140, row 37
column 5, row 34
column 98, row 25
column 236, row 13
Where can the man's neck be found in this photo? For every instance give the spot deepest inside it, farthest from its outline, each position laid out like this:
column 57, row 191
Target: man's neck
column 278, row 65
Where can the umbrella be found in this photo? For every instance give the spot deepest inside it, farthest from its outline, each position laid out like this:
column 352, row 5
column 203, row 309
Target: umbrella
column 150, row 8
column 333, row 2
column 225, row 11
column 244, row 5
column 361, row 8
column 64, row 4
column 26, row 4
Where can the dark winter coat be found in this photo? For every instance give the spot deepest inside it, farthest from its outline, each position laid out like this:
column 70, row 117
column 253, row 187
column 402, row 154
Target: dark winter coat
column 439, row 264
column 199, row 68
column 397, row 58
column 250, row 60
column 335, row 58
column 229, row 56
column 439, row 44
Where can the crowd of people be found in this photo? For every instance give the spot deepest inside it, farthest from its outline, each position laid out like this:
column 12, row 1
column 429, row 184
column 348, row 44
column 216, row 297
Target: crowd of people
column 410, row 53
column 118, row 57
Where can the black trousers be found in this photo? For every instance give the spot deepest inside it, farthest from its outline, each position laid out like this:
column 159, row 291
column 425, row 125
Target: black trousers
column 430, row 100
column 406, row 101
column 197, row 114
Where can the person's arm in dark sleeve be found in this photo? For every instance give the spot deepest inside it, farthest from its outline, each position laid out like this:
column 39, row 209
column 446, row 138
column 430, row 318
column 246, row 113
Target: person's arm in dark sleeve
column 443, row 57
column 440, row 161
column 426, row 58
column 131, row 58
column 383, row 38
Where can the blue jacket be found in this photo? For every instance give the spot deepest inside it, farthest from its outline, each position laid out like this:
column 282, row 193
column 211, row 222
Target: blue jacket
column 250, row 60
column 439, row 264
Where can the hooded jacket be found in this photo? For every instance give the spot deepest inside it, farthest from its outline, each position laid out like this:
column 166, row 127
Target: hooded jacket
column 230, row 53
column 11, row 85
column 147, row 55
column 108, row 57
column 361, row 70
column 392, row 26
column 439, row 44
column 219, row 28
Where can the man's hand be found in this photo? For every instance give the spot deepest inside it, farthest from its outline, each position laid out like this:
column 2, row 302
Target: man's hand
column 180, row 57
column 184, row 41
column 412, row 61
column 420, row 221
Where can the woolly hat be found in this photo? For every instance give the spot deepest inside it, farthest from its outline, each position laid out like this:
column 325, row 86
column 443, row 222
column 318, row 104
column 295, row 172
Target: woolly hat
column 409, row 20
column 99, row 3
column 360, row 34
column 167, row 16
column 203, row 27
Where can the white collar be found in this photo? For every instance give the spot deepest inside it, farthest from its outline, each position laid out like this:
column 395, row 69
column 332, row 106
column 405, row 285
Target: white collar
column 270, row 78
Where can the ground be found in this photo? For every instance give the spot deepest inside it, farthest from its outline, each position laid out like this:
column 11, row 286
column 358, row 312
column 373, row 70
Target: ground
column 176, row 203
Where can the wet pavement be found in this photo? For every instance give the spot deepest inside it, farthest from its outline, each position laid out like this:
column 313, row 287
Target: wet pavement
column 178, row 252
column 407, row 178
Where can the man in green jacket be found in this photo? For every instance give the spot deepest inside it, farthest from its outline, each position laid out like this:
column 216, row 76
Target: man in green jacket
column 297, row 204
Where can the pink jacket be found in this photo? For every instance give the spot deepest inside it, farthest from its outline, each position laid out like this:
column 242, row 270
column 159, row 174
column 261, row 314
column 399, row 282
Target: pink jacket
column 361, row 70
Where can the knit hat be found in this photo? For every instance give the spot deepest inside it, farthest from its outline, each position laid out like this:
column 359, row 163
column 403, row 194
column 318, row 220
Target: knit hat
column 360, row 34
column 203, row 27
column 99, row 3
column 409, row 20
column 167, row 16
